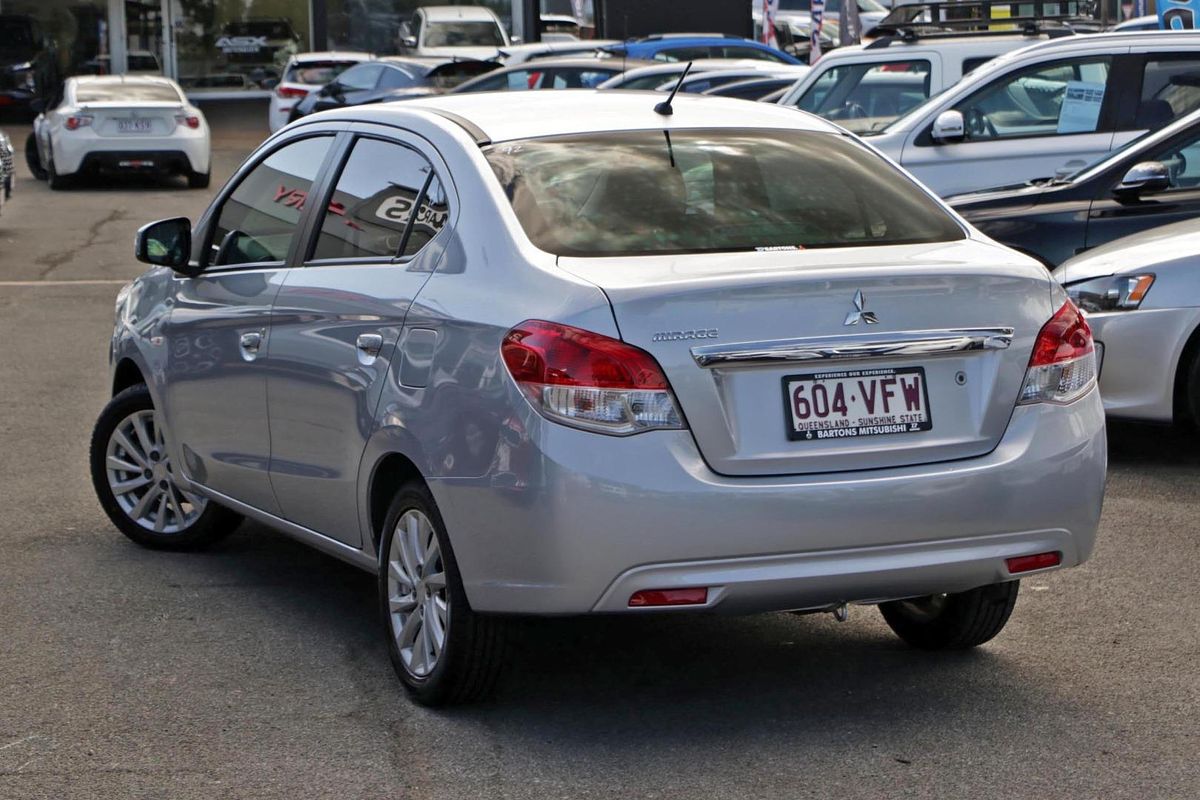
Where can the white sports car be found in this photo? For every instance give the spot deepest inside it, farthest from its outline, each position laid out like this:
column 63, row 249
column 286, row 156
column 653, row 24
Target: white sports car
column 122, row 124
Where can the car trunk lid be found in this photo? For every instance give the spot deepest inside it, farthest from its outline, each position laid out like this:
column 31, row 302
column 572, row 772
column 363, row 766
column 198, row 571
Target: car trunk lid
column 125, row 120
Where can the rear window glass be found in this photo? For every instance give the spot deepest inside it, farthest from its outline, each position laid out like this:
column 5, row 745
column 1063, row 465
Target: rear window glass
column 316, row 73
column 126, row 93
column 463, row 34
column 644, row 192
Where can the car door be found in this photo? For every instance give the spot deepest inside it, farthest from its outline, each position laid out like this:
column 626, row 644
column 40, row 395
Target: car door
column 219, row 330
column 1116, row 215
column 337, row 319
column 1026, row 123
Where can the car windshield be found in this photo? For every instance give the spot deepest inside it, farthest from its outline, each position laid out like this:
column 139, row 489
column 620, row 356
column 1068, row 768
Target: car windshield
column 654, row 192
column 126, row 92
column 463, row 34
column 316, row 73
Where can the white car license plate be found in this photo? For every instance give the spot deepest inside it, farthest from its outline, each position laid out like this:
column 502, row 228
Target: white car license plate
column 847, row 403
column 133, row 125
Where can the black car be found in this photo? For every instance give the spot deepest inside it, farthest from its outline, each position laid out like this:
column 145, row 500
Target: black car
column 1152, row 181
column 28, row 62
column 390, row 79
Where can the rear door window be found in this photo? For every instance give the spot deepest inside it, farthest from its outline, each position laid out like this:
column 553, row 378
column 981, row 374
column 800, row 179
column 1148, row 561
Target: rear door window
column 644, row 192
column 1170, row 90
column 258, row 220
column 387, row 203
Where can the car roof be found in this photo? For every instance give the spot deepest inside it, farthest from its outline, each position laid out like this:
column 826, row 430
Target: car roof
column 504, row 116
column 468, row 13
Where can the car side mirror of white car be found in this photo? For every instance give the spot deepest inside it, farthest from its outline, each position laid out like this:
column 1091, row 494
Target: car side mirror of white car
column 1147, row 177
column 166, row 243
column 515, row 39
column 949, row 127
column 409, row 41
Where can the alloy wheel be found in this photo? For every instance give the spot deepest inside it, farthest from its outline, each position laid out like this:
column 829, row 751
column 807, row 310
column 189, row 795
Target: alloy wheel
column 418, row 604
column 139, row 474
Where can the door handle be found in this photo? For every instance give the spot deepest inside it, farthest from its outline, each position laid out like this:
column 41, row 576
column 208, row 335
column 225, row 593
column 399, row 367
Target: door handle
column 249, row 343
column 369, row 345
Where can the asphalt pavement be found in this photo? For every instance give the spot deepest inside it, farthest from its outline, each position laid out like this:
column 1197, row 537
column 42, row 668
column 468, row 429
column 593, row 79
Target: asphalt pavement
column 258, row 670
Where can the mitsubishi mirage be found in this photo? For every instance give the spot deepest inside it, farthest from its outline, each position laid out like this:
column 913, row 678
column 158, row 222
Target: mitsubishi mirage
column 564, row 353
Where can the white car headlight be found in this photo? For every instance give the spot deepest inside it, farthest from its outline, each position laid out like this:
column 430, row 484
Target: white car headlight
column 1112, row 293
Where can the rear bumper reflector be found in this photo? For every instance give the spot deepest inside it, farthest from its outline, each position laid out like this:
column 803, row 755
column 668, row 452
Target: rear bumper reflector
column 669, row 597
column 1030, row 563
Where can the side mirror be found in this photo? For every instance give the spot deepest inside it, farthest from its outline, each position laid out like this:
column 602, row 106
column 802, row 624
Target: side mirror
column 949, row 127
column 1147, row 177
column 409, row 41
column 166, row 243
column 516, row 39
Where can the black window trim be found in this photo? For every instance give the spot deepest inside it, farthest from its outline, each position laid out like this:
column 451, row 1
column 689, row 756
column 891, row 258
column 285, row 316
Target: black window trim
column 213, row 215
column 313, row 233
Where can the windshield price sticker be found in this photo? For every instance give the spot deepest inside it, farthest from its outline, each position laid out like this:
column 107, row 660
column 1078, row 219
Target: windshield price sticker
column 851, row 403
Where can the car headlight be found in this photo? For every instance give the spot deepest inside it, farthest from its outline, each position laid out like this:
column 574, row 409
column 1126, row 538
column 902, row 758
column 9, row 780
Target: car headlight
column 1112, row 293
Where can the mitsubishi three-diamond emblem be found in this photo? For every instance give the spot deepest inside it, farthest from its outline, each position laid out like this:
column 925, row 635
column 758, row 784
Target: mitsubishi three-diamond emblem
column 860, row 312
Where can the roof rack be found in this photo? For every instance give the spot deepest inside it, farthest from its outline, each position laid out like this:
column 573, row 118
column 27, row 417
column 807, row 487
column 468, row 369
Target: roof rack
column 913, row 21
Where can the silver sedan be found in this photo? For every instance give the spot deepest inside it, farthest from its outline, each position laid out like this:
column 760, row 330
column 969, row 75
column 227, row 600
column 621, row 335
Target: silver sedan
column 577, row 352
column 1141, row 295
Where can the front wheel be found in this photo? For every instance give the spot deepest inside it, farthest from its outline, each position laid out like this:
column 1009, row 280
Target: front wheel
column 952, row 621
column 132, row 476
column 441, row 649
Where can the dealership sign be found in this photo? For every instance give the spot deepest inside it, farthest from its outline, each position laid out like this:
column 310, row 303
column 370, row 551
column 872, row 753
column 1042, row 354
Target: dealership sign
column 242, row 44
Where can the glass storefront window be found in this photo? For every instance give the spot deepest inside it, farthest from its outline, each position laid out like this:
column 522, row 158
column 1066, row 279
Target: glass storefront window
column 223, row 46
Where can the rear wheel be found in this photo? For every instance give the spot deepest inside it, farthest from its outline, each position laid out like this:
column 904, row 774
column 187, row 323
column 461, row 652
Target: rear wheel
column 32, row 159
column 952, row 621
column 199, row 180
column 1193, row 391
column 57, row 182
column 132, row 476
column 441, row 649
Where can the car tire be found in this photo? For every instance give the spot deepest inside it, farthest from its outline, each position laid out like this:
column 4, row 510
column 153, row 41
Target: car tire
column 32, row 159
column 131, row 476
column 952, row 621
column 1193, row 392
column 421, row 594
column 199, row 180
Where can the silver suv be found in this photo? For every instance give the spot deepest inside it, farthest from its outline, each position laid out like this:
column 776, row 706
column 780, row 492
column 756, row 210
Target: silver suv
column 534, row 354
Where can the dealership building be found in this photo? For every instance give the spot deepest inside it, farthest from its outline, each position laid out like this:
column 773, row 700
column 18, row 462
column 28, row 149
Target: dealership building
column 229, row 47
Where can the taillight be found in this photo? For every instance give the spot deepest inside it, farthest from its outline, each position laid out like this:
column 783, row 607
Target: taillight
column 589, row 381
column 290, row 92
column 78, row 121
column 191, row 120
column 1063, row 365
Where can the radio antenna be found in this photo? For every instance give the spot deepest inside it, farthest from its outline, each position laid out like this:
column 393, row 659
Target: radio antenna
column 664, row 107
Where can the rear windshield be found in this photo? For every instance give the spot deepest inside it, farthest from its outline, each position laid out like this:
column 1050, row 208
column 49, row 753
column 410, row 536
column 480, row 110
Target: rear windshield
column 316, row 73
column 126, row 93
column 644, row 193
column 463, row 34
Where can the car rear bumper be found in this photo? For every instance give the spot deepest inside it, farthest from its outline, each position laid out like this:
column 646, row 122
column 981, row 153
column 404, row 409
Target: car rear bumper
column 585, row 521
column 169, row 162
column 81, row 150
column 1140, row 353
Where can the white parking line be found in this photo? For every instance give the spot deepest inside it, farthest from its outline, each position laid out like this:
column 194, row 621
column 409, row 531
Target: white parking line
column 81, row 282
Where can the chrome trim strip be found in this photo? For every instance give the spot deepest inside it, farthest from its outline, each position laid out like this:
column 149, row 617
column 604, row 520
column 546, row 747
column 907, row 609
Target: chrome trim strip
column 318, row 541
column 844, row 348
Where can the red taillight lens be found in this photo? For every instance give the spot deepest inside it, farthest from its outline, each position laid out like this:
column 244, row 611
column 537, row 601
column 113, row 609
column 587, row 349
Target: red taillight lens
column 669, row 597
column 1030, row 563
column 290, row 92
column 78, row 121
column 588, row 380
column 1062, row 367
column 190, row 120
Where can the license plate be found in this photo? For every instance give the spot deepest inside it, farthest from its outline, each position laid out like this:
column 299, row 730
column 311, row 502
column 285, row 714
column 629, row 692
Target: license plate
column 846, row 404
column 133, row 125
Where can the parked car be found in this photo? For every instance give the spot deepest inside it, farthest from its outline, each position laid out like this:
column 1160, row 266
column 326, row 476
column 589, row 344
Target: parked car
column 519, row 53
column 690, row 47
column 661, row 72
column 306, row 73
column 1150, row 182
column 711, row 79
column 121, row 124
column 1146, row 23
column 387, row 79
column 559, row 28
column 1142, row 298
column 1031, row 112
column 541, row 359
column 28, row 61
column 446, row 31
column 549, row 73
column 797, row 16
column 865, row 88
column 754, row 89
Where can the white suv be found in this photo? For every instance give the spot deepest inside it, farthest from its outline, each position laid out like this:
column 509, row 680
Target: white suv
column 1047, row 109
column 865, row 88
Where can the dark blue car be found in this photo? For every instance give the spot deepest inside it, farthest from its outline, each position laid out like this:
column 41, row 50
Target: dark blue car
column 693, row 47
